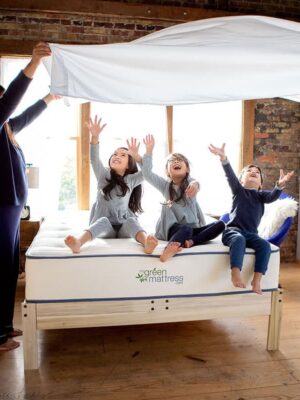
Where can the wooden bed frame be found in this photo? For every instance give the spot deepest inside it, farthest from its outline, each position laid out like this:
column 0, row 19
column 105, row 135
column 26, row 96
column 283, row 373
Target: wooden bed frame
column 63, row 315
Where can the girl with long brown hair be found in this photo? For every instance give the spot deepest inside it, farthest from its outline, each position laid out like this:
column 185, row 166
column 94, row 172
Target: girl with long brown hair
column 118, row 203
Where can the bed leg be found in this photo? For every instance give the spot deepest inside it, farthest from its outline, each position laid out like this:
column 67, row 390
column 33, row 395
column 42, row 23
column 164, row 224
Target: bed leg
column 275, row 321
column 29, row 336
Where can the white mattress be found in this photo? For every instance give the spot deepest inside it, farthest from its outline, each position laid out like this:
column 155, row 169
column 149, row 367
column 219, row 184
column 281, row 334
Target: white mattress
column 114, row 269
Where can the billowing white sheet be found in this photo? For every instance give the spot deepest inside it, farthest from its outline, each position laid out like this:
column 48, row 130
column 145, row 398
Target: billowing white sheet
column 217, row 59
column 114, row 269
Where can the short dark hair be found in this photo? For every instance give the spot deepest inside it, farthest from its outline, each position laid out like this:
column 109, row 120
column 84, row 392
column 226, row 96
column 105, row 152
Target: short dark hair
column 251, row 166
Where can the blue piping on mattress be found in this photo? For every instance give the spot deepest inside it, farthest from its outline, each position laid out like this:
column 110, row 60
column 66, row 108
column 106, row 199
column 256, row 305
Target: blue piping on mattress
column 174, row 296
column 131, row 255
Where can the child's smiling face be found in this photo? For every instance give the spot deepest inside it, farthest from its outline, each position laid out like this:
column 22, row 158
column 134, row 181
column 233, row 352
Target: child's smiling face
column 251, row 178
column 177, row 167
column 119, row 161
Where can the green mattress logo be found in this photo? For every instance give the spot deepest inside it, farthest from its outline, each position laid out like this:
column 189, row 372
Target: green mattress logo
column 156, row 275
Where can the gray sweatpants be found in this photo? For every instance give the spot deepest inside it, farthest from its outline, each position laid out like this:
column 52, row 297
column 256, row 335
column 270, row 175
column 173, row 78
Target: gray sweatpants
column 102, row 228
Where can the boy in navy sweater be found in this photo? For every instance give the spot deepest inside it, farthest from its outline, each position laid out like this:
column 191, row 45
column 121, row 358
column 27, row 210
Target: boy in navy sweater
column 245, row 215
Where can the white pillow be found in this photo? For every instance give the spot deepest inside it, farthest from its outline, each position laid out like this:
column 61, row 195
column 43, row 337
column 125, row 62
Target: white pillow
column 275, row 215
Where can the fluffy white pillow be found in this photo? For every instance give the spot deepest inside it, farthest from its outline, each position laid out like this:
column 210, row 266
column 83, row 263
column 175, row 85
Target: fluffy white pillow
column 275, row 215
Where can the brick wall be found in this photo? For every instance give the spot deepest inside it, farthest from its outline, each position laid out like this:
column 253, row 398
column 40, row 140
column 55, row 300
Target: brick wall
column 277, row 146
column 66, row 27
column 73, row 28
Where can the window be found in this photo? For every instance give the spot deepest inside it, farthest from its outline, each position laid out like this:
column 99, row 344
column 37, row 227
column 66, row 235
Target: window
column 194, row 128
column 46, row 142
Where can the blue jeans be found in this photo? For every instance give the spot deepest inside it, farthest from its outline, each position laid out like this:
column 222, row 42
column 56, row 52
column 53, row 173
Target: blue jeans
column 238, row 241
column 181, row 232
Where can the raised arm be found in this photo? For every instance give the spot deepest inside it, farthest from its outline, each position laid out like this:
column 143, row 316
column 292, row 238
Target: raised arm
column 284, row 178
column 269, row 197
column 230, row 175
column 95, row 129
column 155, row 180
column 133, row 149
column 31, row 113
column 14, row 93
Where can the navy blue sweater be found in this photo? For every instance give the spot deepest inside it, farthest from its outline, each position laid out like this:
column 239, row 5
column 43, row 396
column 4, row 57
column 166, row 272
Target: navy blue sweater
column 248, row 204
column 13, row 182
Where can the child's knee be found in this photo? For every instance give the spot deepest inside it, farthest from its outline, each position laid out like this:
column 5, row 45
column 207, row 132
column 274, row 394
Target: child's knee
column 266, row 247
column 220, row 226
column 238, row 240
column 187, row 230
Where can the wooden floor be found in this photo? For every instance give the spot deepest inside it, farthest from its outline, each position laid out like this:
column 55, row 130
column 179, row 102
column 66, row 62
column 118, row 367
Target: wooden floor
column 222, row 359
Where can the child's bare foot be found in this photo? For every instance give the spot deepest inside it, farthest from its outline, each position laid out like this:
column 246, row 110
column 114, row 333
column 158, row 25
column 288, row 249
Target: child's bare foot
column 150, row 244
column 170, row 250
column 9, row 345
column 236, row 278
column 256, row 283
column 188, row 243
column 73, row 243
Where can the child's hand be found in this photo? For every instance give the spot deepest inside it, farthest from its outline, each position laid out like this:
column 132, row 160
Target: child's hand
column 95, row 129
column 133, row 149
column 149, row 143
column 192, row 189
column 284, row 178
column 218, row 151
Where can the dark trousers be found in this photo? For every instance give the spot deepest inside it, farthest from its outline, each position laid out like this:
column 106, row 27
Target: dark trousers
column 180, row 233
column 9, row 266
column 238, row 241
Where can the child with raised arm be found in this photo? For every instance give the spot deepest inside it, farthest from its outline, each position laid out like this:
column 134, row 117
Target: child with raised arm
column 245, row 215
column 118, row 197
column 181, row 223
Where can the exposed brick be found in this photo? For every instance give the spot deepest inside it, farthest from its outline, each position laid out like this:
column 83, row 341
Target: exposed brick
column 77, row 22
column 43, row 21
column 65, row 22
column 108, row 25
column 261, row 135
column 124, row 26
column 75, row 29
column 23, row 20
column 267, row 158
column 8, row 18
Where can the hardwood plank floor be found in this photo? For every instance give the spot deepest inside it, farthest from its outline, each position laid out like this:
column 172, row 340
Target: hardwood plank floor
column 222, row 359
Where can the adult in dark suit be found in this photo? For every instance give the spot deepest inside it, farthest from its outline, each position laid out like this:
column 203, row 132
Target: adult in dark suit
column 13, row 192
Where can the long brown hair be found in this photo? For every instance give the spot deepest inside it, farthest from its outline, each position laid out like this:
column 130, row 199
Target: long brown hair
column 174, row 197
column 118, row 180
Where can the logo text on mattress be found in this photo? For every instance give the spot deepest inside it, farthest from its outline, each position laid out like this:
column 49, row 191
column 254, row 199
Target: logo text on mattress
column 158, row 276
